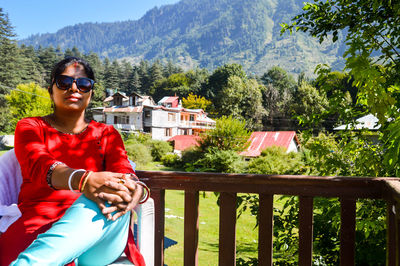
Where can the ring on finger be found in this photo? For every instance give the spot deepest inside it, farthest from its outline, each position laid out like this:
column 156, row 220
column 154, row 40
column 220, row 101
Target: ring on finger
column 121, row 181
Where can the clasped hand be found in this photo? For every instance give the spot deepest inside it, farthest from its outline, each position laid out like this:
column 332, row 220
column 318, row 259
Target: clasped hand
column 106, row 187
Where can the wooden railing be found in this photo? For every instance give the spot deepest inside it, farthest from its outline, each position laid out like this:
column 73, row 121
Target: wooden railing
column 347, row 189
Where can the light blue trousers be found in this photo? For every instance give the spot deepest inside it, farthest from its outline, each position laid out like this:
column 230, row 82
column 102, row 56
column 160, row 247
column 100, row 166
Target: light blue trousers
column 83, row 234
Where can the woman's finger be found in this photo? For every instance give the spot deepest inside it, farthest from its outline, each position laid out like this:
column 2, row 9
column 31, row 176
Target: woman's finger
column 116, row 185
column 108, row 210
column 111, row 198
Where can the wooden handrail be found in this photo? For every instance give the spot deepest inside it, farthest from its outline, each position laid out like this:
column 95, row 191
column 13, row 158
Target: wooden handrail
column 347, row 189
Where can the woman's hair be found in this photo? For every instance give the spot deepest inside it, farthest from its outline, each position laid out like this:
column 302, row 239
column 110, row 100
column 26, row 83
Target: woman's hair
column 66, row 62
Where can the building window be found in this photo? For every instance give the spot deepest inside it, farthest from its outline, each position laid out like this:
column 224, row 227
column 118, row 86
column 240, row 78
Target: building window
column 117, row 101
column 121, row 119
column 147, row 114
column 191, row 117
column 168, row 132
column 171, row 117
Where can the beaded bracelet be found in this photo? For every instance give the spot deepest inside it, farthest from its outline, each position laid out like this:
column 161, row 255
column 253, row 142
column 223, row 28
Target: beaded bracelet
column 70, row 179
column 85, row 181
column 50, row 173
column 146, row 194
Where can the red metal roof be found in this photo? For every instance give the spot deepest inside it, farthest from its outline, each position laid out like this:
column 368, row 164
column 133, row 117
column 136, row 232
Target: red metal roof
column 182, row 142
column 169, row 99
column 260, row 140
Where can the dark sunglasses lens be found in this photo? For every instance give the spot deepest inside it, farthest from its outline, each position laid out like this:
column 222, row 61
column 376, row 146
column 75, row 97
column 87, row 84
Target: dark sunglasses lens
column 64, row 82
column 84, row 84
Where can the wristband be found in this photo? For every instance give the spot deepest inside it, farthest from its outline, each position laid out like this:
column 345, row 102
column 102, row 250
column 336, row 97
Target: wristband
column 70, row 179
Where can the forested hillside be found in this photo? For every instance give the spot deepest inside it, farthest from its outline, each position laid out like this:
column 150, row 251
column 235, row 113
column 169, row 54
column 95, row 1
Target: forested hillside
column 204, row 33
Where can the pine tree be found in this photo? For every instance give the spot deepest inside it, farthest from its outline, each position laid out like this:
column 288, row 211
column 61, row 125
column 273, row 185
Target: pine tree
column 112, row 75
column 8, row 53
column 9, row 77
column 47, row 58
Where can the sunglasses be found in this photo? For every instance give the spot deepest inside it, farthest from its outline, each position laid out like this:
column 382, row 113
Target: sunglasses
column 65, row 83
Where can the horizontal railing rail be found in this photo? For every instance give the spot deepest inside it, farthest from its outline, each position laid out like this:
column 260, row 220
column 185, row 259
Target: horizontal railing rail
column 347, row 189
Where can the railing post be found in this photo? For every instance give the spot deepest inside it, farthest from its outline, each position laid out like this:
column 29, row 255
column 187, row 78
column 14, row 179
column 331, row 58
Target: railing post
column 347, row 231
column 265, row 229
column 390, row 234
column 191, row 229
column 159, row 221
column 306, row 205
column 397, row 212
column 227, row 229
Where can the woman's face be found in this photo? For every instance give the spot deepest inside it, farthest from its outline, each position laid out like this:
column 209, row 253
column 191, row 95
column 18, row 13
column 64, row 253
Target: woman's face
column 72, row 99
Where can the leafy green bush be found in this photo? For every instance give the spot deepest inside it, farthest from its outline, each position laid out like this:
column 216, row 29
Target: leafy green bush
column 275, row 160
column 160, row 148
column 190, row 156
column 170, row 159
column 130, row 138
column 228, row 134
column 221, row 161
column 139, row 153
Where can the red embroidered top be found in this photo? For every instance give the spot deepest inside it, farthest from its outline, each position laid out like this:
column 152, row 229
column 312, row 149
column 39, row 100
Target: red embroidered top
column 38, row 146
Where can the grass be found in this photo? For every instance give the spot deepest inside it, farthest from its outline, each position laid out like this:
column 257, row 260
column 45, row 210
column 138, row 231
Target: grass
column 246, row 234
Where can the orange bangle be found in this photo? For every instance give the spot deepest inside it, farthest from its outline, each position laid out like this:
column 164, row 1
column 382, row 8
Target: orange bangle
column 81, row 181
column 85, row 181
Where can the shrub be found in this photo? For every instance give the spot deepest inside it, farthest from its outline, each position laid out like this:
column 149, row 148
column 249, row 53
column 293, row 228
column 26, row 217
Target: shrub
column 171, row 160
column 131, row 138
column 139, row 153
column 190, row 156
column 159, row 148
column 221, row 161
column 275, row 160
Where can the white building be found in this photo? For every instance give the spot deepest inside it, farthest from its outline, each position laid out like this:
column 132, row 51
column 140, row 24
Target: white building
column 136, row 113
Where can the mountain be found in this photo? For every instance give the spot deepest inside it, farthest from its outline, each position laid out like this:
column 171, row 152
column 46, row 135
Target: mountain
column 204, row 33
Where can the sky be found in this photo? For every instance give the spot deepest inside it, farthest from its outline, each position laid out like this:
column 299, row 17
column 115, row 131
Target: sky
column 47, row 16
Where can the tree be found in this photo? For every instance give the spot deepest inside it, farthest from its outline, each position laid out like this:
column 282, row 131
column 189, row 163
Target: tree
column 193, row 101
column 277, row 98
column 219, row 79
column 47, row 58
column 279, row 79
column 241, row 99
column 308, row 103
column 372, row 40
column 8, row 53
column 112, row 75
column 228, row 134
column 176, row 84
column 371, row 30
column 28, row 100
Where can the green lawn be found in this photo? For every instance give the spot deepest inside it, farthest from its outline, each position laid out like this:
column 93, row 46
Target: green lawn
column 246, row 238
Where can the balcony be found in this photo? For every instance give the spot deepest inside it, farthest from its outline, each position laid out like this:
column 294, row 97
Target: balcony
column 126, row 127
column 347, row 189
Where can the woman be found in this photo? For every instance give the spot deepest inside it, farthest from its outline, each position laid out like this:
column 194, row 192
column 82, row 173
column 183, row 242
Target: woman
column 60, row 154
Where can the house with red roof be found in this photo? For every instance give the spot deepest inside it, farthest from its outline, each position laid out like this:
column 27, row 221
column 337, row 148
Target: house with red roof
column 183, row 142
column 260, row 140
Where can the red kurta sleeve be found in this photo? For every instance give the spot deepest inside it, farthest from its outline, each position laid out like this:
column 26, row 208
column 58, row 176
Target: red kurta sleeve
column 31, row 151
column 116, row 159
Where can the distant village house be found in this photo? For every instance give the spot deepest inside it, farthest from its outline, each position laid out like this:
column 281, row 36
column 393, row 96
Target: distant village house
column 167, row 118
